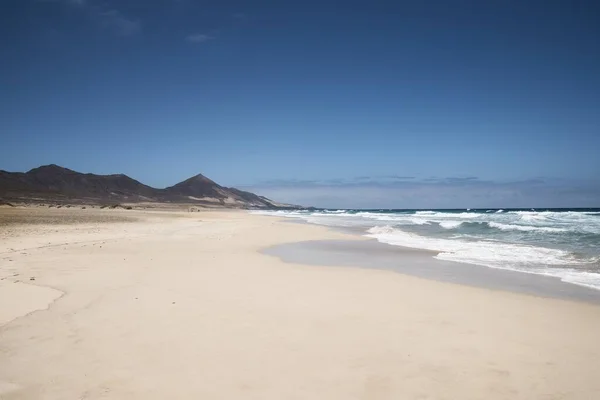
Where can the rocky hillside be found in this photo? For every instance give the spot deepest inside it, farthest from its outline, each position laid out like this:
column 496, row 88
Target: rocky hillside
column 52, row 182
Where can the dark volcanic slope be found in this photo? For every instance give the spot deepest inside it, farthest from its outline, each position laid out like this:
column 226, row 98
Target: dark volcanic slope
column 62, row 184
column 200, row 188
column 55, row 181
column 196, row 186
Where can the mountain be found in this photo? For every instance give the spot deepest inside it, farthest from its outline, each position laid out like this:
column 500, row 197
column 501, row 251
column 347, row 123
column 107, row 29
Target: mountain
column 200, row 188
column 52, row 182
column 197, row 186
column 59, row 182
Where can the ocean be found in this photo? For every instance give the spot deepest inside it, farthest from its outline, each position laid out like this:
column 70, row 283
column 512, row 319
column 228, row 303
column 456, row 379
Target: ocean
column 563, row 243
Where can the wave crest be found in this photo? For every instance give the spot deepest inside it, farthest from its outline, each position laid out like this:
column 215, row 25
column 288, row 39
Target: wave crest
column 516, row 257
column 525, row 228
column 450, row 224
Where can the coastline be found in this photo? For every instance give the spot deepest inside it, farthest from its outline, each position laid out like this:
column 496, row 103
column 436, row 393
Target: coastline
column 185, row 305
column 384, row 255
column 372, row 254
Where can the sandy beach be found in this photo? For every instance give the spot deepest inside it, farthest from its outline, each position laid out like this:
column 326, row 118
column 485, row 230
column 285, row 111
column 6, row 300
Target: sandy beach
column 126, row 304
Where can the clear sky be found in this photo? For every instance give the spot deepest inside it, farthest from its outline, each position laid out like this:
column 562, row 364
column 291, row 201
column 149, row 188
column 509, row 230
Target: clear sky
column 343, row 104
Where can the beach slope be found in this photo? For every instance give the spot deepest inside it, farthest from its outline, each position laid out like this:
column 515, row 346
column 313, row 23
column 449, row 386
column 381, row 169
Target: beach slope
column 155, row 305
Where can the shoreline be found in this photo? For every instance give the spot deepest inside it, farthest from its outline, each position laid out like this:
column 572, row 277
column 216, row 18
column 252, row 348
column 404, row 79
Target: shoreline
column 185, row 305
column 373, row 255
column 429, row 267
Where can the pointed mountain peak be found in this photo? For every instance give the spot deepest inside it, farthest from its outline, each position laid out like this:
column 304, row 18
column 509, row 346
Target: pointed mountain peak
column 197, row 186
column 200, row 177
column 196, row 179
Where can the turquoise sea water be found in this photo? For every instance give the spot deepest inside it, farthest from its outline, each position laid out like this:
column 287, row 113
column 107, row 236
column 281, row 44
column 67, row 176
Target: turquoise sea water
column 564, row 243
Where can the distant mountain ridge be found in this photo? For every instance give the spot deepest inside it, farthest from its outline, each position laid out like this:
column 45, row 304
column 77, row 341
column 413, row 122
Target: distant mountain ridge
column 53, row 182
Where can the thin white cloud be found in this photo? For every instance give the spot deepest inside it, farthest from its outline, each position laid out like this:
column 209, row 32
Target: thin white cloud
column 199, row 38
column 115, row 21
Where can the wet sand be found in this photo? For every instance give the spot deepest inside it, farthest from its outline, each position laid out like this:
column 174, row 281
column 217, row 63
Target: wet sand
column 374, row 255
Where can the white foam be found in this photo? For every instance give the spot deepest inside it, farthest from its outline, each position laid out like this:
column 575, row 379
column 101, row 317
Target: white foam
column 450, row 224
column 494, row 254
column 525, row 221
column 416, row 221
column 437, row 214
column 472, row 250
column 581, row 278
column 528, row 216
column 525, row 228
column 476, row 248
column 403, row 219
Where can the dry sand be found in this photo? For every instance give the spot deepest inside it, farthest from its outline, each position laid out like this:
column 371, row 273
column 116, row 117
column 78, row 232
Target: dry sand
column 149, row 305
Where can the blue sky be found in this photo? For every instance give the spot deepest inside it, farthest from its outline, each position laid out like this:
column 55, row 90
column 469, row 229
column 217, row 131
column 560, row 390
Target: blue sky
column 474, row 103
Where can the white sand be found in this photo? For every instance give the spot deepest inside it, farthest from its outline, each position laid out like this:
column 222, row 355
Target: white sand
column 184, row 307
